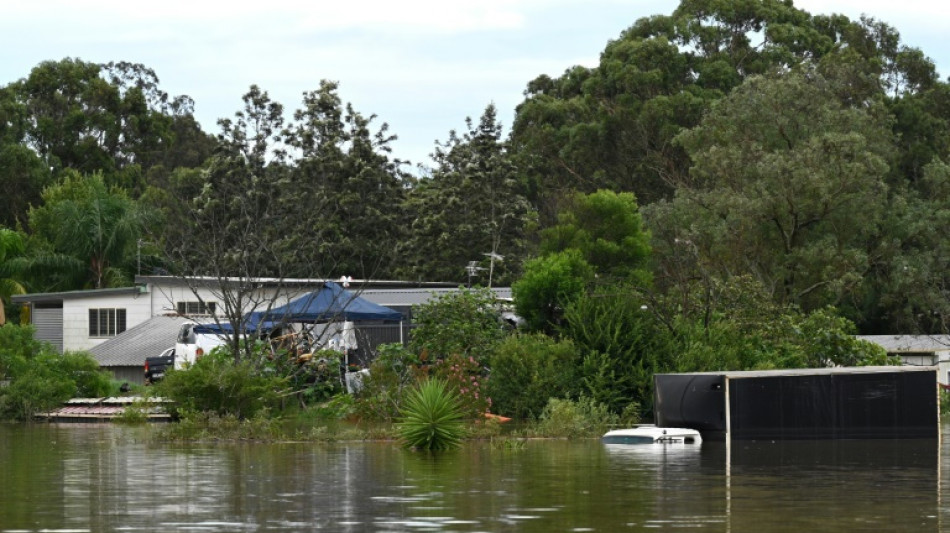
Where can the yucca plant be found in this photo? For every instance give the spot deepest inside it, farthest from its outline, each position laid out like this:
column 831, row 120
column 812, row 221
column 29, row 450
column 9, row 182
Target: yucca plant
column 432, row 417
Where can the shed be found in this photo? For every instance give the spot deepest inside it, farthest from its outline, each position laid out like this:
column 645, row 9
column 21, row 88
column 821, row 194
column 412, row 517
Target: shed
column 917, row 350
column 822, row 403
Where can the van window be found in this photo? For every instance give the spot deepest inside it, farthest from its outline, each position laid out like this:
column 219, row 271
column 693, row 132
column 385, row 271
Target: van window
column 187, row 334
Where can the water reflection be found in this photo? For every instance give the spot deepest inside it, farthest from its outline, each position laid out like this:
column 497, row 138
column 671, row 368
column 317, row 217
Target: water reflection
column 87, row 478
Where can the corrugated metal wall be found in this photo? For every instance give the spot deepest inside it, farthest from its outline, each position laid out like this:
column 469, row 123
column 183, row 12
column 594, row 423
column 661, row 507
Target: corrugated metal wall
column 48, row 321
column 128, row 374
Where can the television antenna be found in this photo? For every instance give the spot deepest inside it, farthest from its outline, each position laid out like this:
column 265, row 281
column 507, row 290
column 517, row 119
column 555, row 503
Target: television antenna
column 472, row 270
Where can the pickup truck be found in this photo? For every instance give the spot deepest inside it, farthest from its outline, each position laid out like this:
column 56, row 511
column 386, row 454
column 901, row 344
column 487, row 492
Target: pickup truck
column 155, row 367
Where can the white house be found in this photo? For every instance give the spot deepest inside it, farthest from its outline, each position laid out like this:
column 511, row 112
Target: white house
column 121, row 327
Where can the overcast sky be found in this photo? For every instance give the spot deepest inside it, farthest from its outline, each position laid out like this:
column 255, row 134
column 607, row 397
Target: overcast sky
column 421, row 66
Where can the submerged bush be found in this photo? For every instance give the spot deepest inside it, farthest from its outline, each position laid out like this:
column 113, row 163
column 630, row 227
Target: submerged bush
column 570, row 419
column 217, row 384
column 207, row 425
column 392, row 374
column 432, row 417
column 465, row 376
column 526, row 370
column 39, row 379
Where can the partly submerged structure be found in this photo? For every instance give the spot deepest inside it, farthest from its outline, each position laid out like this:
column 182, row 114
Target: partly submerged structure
column 890, row 402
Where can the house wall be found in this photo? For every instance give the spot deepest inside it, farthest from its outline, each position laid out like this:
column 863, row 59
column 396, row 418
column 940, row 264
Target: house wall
column 165, row 297
column 938, row 358
column 76, row 317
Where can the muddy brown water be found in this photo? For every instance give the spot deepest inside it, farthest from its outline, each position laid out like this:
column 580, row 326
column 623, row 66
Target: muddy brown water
column 77, row 478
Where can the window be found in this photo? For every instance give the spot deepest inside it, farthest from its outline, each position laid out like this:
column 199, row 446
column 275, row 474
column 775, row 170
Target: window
column 106, row 322
column 196, row 308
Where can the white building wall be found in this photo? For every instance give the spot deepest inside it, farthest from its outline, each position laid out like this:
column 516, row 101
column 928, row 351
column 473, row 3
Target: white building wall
column 943, row 366
column 165, row 298
column 76, row 317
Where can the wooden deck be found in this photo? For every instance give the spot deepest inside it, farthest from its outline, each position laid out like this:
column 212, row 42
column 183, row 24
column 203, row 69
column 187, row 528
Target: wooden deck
column 104, row 410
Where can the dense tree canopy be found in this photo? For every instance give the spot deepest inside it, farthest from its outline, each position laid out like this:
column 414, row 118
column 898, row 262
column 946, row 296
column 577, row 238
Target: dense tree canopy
column 471, row 206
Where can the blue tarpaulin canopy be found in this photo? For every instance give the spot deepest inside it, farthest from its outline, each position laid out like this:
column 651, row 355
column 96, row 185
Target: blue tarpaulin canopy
column 329, row 304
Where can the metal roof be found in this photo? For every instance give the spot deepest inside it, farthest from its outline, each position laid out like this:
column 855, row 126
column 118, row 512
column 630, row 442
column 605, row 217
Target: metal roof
column 353, row 284
column 132, row 346
column 405, row 297
column 909, row 343
column 57, row 296
column 739, row 374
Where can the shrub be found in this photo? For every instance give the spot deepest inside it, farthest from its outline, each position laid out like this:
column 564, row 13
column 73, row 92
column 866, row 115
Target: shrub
column 570, row 419
column 392, row 373
column 526, row 370
column 623, row 345
column 465, row 323
column 41, row 379
column 465, row 376
column 432, row 417
column 218, row 384
column 549, row 284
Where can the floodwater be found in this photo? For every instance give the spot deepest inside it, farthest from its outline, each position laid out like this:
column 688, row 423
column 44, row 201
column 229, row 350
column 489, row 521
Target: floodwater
column 75, row 478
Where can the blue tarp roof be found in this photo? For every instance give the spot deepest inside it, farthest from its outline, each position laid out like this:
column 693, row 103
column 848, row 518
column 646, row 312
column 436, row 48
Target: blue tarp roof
column 331, row 303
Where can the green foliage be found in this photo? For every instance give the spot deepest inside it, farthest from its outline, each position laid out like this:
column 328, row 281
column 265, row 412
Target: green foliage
column 391, row 375
column 472, row 204
column 209, row 425
column 944, row 404
column 23, row 176
column 432, row 417
column 465, row 323
column 527, row 369
column 827, row 339
column 93, row 232
column 550, row 283
column 11, row 248
column 41, row 379
column 313, row 380
column 791, row 196
column 82, row 370
column 622, row 343
column 607, row 229
column 465, row 377
column 736, row 339
column 574, row 419
column 135, row 414
column 218, row 384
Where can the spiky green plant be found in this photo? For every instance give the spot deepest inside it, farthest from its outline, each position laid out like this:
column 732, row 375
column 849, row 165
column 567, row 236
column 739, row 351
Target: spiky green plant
column 432, row 417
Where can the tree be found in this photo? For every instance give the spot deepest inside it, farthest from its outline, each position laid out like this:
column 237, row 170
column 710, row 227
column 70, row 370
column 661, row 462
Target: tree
column 621, row 344
column 607, row 229
column 274, row 202
column 909, row 284
column 550, row 283
column 787, row 185
column 92, row 232
column 350, row 166
column 471, row 208
column 612, row 126
column 109, row 118
column 11, row 246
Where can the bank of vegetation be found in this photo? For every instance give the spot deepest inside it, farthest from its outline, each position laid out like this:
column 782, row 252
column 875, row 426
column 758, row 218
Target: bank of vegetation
column 736, row 185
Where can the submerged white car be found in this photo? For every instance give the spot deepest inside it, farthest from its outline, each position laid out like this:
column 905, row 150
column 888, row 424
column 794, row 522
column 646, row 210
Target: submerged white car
column 652, row 435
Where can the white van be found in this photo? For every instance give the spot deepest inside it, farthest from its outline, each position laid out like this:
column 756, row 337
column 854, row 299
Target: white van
column 195, row 340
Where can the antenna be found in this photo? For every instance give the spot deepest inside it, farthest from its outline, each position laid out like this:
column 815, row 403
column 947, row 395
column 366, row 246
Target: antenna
column 472, row 269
